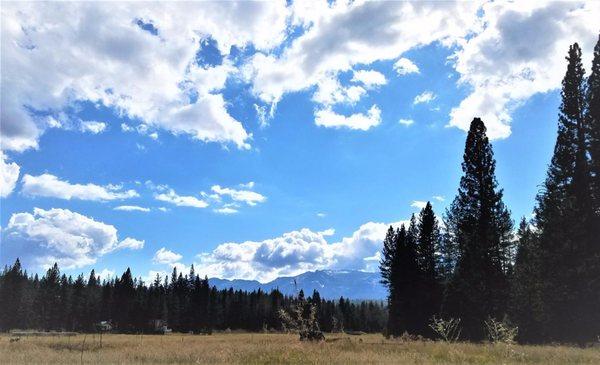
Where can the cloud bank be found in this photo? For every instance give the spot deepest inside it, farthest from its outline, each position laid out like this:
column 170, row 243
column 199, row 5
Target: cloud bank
column 68, row 238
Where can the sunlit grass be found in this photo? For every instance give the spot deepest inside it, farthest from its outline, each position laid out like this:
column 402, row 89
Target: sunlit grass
column 275, row 348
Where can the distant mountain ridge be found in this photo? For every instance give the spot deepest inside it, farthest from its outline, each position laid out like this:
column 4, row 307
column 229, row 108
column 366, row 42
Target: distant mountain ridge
column 331, row 284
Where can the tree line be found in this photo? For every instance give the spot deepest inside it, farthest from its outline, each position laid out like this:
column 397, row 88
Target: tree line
column 186, row 303
column 543, row 279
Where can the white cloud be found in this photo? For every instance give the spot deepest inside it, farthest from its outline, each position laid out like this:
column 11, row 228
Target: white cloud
column 246, row 196
column 131, row 243
column 418, row 204
column 518, row 52
column 59, row 235
column 131, row 208
column 47, row 185
column 181, row 201
column 9, row 174
column 248, row 185
column 226, row 210
column 293, row 253
column 341, row 35
column 163, row 209
column 344, row 34
column 404, row 66
column 424, row 97
column 96, row 52
column 330, row 119
column 327, row 232
column 92, row 127
column 164, row 256
column 406, row 122
column 321, row 215
column 369, row 78
column 439, row 198
column 126, row 127
column 106, row 274
column 330, row 91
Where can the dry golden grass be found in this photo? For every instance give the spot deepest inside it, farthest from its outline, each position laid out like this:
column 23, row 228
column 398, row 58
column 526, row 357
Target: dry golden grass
column 275, row 349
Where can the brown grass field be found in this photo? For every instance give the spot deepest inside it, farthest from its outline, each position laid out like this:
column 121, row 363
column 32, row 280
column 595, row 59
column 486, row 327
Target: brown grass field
column 246, row 348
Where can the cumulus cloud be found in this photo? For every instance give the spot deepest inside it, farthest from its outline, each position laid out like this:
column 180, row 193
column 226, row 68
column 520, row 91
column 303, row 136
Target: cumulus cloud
column 106, row 274
column 47, row 185
column 245, row 196
column 295, row 252
column 406, row 122
column 92, row 127
column 369, row 78
column 56, row 235
column 344, row 34
column 170, row 196
column 164, row 256
column 359, row 121
column 518, row 52
column 9, row 174
column 404, row 66
column 424, row 97
column 341, row 35
column 132, row 208
column 97, row 52
column 418, row 204
column 505, row 52
column 330, row 91
column 131, row 243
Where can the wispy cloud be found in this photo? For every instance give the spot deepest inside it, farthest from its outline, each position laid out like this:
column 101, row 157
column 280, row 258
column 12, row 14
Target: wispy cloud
column 424, row 97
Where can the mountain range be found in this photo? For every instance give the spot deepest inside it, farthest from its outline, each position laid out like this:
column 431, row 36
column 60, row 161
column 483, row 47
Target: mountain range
column 331, row 284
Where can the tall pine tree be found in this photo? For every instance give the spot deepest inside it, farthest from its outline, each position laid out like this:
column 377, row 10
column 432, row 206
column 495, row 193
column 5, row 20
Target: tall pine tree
column 480, row 227
column 564, row 217
column 428, row 248
column 593, row 123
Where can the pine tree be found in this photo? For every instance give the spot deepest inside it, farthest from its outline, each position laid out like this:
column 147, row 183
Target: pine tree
column 564, row 217
column 386, row 267
column 50, row 302
column 12, row 290
column 406, row 281
column 387, row 253
column 480, row 228
column 429, row 294
column 593, row 123
column 525, row 305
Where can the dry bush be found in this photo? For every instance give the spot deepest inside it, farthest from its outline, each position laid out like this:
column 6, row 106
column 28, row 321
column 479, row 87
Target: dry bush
column 448, row 330
column 500, row 332
column 307, row 326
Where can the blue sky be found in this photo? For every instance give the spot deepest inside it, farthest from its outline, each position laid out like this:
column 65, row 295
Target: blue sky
column 262, row 139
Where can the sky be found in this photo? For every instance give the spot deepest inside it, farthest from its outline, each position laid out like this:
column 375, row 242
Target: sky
column 263, row 139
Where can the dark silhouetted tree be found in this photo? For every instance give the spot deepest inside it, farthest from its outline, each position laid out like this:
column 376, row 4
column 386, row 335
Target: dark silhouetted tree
column 480, row 227
column 564, row 217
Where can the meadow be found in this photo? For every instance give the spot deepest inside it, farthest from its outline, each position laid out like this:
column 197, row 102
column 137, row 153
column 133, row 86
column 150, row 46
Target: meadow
column 264, row 348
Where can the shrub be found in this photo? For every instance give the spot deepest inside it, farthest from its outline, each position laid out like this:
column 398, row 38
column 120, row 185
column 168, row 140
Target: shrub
column 500, row 332
column 448, row 330
column 307, row 326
